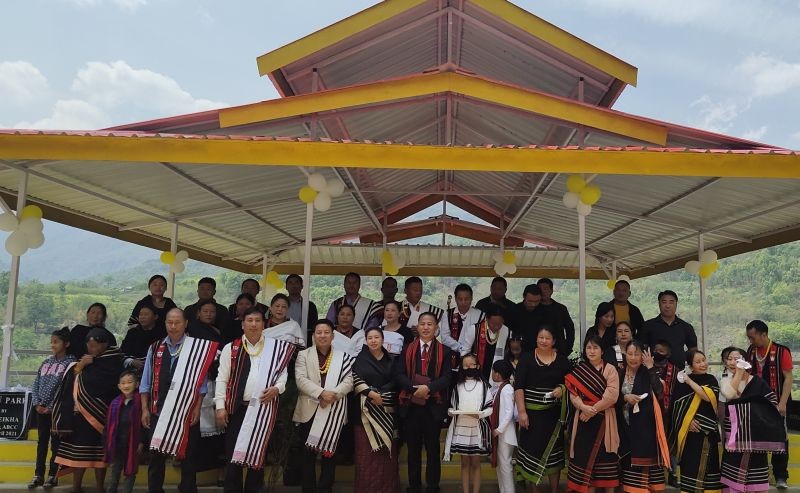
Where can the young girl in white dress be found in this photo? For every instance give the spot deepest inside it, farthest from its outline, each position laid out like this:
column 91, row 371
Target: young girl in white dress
column 470, row 434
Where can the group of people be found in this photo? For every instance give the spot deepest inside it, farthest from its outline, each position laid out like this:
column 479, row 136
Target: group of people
column 242, row 387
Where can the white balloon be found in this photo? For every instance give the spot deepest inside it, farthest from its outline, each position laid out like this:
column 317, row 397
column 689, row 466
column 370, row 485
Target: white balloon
column 35, row 240
column 30, row 225
column 571, row 200
column 511, row 268
column 317, row 181
column 499, row 269
column 334, row 187
column 584, row 209
column 182, row 256
column 708, row 257
column 8, row 222
column 177, row 267
column 692, row 267
column 16, row 244
column 399, row 262
column 498, row 257
column 322, row 202
column 624, row 278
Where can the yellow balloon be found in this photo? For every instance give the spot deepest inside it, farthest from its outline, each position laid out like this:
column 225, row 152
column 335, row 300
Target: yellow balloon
column 386, row 256
column 272, row 277
column 509, row 258
column 611, row 283
column 390, row 268
column 31, row 211
column 307, row 194
column 706, row 270
column 576, row 183
column 590, row 195
column 167, row 257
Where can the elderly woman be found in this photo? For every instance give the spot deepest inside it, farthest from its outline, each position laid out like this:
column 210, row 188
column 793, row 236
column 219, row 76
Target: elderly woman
column 79, row 411
column 593, row 389
column 371, row 411
column 324, row 378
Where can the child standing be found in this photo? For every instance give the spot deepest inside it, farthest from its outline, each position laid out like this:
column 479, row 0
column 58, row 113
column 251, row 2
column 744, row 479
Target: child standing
column 502, row 421
column 123, row 442
column 44, row 391
column 469, row 434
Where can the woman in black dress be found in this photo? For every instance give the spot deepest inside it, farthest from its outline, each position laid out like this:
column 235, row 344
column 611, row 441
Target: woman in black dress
column 604, row 325
column 157, row 285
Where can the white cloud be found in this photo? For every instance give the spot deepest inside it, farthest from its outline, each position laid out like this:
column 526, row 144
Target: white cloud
column 104, row 94
column 117, row 84
column 716, row 116
column 769, row 76
column 128, row 5
column 71, row 114
column 21, row 83
column 755, row 134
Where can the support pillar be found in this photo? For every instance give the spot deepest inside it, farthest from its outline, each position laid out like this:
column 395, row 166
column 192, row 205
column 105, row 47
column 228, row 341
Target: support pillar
column 582, row 274
column 700, row 249
column 11, row 299
column 173, row 247
column 307, row 264
column 264, row 270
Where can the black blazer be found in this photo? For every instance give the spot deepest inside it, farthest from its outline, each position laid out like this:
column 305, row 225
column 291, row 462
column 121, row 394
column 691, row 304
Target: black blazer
column 442, row 384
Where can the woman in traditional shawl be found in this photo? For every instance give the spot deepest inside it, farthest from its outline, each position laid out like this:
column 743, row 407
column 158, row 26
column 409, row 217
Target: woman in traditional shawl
column 280, row 326
column 753, row 426
column 593, row 389
column 324, row 378
column 694, row 434
column 371, row 410
column 541, row 402
column 395, row 334
column 643, row 441
column 346, row 337
column 81, row 405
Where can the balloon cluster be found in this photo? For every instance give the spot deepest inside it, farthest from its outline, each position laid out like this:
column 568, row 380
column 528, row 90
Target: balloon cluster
column 390, row 264
column 505, row 263
column 26, row 231
column 320, row 191
column 705, row 266
column 613, row 282
column 580, row 195
column 271, row 284
column 175, row 261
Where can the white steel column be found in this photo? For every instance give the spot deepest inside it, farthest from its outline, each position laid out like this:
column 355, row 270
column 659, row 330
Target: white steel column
column 582, row 274
column 614, row 270
column 11, row 299
column 173, row 247
column 700, row 248
column 264, row 270
column 307, row 264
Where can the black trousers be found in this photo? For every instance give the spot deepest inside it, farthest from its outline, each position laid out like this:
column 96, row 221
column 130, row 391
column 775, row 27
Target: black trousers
column 43, row 422
column 420, row 429
column 156, row 469
column 327, row 473
column 254, row 479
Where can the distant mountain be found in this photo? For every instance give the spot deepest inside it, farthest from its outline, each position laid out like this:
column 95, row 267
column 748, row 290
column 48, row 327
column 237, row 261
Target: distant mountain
column 69, row 253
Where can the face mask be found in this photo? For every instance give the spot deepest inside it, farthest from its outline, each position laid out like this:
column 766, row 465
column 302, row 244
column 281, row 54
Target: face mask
column 659, row 357
column 472, row 373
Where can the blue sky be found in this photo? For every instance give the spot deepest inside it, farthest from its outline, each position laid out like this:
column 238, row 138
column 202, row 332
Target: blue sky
column 725, row 65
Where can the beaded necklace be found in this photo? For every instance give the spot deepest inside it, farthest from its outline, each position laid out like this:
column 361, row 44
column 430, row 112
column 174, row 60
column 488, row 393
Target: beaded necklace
column 259, row 345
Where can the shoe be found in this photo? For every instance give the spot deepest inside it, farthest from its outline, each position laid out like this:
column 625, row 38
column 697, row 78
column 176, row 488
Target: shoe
column 673, row 481
column 36, row 481
column 781, row 484
column 51, row 482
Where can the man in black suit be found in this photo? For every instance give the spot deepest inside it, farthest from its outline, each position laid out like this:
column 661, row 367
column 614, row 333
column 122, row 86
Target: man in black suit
column 424, row 380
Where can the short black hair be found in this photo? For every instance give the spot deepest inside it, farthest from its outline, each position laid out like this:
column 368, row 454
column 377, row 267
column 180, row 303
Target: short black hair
column 294, row 276
column 413, row 279
column 532, row 289
column 343, row 306
column 207, row 280
column 326, row 322
column 665, row 343
column 102, row 308
column 728, row 350
column 279, row 296
column 153, row 278
column 250, row 279
column 463, row 287
column 545, row 280
column 208, row 302
column 668, row 292
column 622, row 281
column 129, row 373
column 390, row 278
column 252, row 311
column 759, row 326
column 504, row 368
column 246, row 296
column 62, row 333
column 493, row 310
column 501, row 280
column 149, row 307
column 353, row 274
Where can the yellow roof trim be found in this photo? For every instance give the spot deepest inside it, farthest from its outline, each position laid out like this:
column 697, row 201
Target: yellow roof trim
column 333, row 34
column 564, row 41
column 360, row 155
column 426, row 84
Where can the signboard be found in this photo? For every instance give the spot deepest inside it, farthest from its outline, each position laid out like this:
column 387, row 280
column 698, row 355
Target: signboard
column 15, row 410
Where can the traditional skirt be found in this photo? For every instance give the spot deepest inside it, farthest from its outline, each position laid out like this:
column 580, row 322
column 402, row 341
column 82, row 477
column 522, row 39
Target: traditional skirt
column 541, row 447
column 592, row 466
column 471, row 436
column 83, row 447
column 700, row 464
column 376, row 471
column 745, row 471
column 642, row 478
